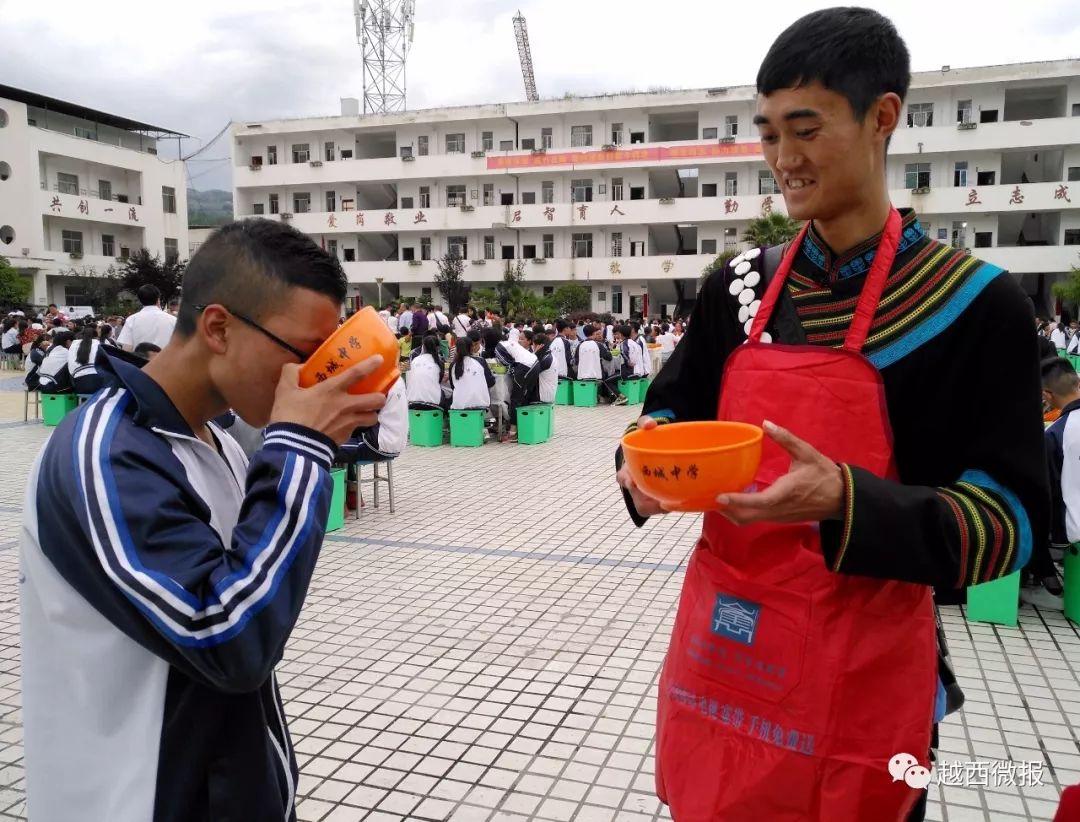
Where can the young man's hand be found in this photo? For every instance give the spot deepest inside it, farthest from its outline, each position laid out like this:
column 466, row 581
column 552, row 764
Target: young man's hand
column 646, row 506
column 811, row 491
column 328, row 407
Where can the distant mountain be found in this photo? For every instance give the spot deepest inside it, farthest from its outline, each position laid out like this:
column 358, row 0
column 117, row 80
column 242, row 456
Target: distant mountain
column 213, row 207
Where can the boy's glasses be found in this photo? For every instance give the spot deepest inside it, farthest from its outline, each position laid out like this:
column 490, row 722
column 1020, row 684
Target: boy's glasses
column 296, row 352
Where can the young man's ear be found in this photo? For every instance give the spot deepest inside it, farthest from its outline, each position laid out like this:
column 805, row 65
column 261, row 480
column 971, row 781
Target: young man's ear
column 886, row 114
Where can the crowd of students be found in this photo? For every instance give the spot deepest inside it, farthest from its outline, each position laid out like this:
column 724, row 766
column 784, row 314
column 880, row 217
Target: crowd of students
column 449, row 361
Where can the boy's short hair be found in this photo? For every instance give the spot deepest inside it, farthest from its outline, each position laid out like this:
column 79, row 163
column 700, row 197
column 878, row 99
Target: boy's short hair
column 250, row 265
column 855, row 52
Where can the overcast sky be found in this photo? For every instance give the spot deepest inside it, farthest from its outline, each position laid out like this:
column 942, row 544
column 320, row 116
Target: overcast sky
column 196, row 65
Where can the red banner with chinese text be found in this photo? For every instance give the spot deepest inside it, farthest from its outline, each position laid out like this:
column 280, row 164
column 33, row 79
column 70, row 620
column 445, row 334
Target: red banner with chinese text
column 630, row 155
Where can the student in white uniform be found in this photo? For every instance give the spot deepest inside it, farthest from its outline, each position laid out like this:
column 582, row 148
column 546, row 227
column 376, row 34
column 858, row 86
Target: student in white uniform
column 81, row 358
column 646, row 361
column 470, row 377
column 426, row 377
column 54, row 377
column 38, row 349
column 667, row 343
column 547, row 374
column 386, row 438
column 1074, row 341
column 561, row 350
column 631, row 367
column 151, row 324
column 519, row 361
column 1059, row 338
column 462, row 323
column 588, row 363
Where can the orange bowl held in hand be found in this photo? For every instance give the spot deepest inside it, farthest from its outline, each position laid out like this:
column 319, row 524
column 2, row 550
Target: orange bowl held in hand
column 686, row 465
column 362, row 335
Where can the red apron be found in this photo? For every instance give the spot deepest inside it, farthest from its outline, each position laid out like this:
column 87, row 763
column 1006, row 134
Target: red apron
column 788, row 687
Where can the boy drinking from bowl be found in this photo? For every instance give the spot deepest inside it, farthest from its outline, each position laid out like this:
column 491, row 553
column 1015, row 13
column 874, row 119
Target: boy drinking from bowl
column 805, row 638
column 162, row 573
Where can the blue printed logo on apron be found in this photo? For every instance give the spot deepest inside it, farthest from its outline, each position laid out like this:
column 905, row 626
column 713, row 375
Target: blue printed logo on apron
column 735, row 618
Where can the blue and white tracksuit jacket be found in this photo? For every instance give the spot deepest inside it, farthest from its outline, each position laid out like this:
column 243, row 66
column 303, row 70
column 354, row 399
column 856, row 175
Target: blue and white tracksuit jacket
column 160, row 579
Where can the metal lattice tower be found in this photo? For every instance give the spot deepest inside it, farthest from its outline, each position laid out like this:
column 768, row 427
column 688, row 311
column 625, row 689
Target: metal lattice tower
column 525, row 55
column 384, row 30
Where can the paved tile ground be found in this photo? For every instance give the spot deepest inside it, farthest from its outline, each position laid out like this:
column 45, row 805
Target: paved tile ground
column 469, row 659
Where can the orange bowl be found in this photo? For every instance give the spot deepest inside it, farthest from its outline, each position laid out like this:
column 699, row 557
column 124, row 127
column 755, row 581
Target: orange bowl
column 361, row 336
column 686, row 465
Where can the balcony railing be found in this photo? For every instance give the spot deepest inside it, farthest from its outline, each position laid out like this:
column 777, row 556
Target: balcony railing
column 93, row 193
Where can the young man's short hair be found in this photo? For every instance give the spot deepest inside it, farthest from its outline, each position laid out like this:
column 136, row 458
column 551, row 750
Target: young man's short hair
column 250, row 265
column 1059, row 377
column 148, row 294
column 855, row 52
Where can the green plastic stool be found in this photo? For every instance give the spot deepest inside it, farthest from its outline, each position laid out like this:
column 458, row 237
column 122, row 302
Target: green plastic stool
column 467, row 428
column 997, row 602
column 426, row 428
column 563, row 392
column 631, row 389
column 336, row 518
column 54, row 407
column 584, row 392
column 1072, row 583
column 534, row 424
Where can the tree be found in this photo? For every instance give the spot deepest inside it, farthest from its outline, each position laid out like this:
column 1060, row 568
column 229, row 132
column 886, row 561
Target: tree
column 570, row 298
column 141, row 269
column 1068, row 290
column 451, row 282
column 771, row 229
column 523, row 304
column 722, row 259
column 513, row 277
column 14, row 287
column 484, row 299
column 100, row 291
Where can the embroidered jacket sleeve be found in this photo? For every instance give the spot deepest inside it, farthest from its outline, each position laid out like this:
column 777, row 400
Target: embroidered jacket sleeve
column 978, row 524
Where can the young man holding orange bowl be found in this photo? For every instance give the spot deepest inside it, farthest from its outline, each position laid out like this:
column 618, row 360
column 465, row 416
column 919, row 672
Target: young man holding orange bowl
column 804, row 658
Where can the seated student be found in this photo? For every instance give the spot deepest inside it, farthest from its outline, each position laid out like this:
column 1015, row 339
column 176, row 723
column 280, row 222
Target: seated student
column 492, row 338
column 588, row 357
column 9, row 343
column 147, row 350
column 386, row 438
column 562, row 350
column 82, row 356
column 470, row 378
column 548, row 376
column 54, row 374
column 426, row 377
column 105, row 336
column 519, row 361
column 646, row 360
column 405, row 344
column 631, row 367
column 38, row 349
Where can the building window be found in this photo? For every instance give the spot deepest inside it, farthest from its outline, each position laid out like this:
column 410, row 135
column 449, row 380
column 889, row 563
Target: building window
column 1074, row 174
column 348, row 204
column 986, row 178
column 487, row 141
column 72, row 241
column 616, row 244
column 731, row 239
column 273, row 204
column 331, row 201
column 1072, row 236
column 731, row 126
column 920, row 115
column 616, row 134
column 582, row 245
column 489, row 247
column 258, row 208
column 349, row 255
column 425, row 248
column 455, row 196
column 85, row 133
column 708, row 189
column 528, row 252
column 302, row 202
column 328, row 151
column 406, row 202
column 708, row 246
column 426, row 291
column 346, row 154
column 528, row 144
column 546, row 140
column 168, row 199
column 959, row 235
column 709, row 133
column 455, row 143
column 331, row 248
column 408, row 253
column 960, row 174
column 917, row 175
column 616, row 299
column 767, row 183
column 458, row 246
column 549, row 246
column 616, row 188
column 422, row 145
column 67, row 183
column 108, row 245
column 581, row 191
column 580, row 136
column 172, row 250
column 301, row 152
column 508, row 252
column 731, row 183
column 489, row 194
column 984, row 239
column 104, row 189
column 547, row 191
column 963, row 111
column 506, row 145
column 1076, row 109
column 550, row 289
column 425, row 197
column 528, row 198
column 271, row 155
